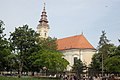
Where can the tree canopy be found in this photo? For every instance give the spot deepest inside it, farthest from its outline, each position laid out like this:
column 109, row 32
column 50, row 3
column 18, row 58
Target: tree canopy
column 108, row 55
column 48, row 56
column 4, row 47
column 112, row 63
column 23, row 43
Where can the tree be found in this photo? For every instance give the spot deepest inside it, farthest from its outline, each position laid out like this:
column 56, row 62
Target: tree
column 103, row 40
column 23, row 42
column 48, row 57
column 108, row 56
column 49, row 43
column 112, row 63
column 78, row 67
column 104, row 49
column 95, row 64
column 11, row 62
column 4, row 47
column 1, row 28
column 52, row 60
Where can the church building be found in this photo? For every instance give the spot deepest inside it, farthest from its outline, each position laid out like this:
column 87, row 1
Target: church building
column 73, row 47
column 76, row 47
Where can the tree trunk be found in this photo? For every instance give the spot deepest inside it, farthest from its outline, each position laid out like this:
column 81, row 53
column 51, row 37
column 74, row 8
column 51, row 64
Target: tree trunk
column 11, row 72
column 33, row 73
column 20, row 69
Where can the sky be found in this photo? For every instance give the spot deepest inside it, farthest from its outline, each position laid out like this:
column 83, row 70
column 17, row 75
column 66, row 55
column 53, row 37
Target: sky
column 66, row 17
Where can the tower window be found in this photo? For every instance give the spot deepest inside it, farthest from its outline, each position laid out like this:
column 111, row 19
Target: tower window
column 45, row 34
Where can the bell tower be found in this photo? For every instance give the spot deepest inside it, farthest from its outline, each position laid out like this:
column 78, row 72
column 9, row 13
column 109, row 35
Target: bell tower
column 43, row 26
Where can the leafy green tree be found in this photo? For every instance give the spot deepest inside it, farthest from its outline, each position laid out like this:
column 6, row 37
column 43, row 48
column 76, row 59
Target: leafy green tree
column 52, row 60
column 11, row 62
column 78, row 68
column 23, row 42
column 48, row 56
column 4, row 47
column 95, row 64
column 49, row 43
column 112, row 63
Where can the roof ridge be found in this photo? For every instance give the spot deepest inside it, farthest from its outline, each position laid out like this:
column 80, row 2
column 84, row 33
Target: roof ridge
column 85, row 40
column 71, row 36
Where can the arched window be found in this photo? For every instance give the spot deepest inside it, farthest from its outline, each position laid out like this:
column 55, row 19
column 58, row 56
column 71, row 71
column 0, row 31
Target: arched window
column 75, row 59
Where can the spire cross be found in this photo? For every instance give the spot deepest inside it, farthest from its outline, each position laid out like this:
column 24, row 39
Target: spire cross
column 44, row 4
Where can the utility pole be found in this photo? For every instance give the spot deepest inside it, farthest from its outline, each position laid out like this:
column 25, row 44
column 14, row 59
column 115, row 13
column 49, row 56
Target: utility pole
column 102, row 66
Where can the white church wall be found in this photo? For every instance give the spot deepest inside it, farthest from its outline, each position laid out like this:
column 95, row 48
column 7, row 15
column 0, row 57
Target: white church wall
column 87, row 56
column 84, row 54
column 69, row 56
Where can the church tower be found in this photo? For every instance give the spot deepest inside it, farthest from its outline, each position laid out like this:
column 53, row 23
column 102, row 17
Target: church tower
column 43, row 26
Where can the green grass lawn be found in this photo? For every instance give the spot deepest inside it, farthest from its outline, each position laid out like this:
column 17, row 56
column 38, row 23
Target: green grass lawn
column 26, row 78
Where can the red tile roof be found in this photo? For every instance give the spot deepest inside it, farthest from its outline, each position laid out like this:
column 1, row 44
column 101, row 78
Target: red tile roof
column 74, row 42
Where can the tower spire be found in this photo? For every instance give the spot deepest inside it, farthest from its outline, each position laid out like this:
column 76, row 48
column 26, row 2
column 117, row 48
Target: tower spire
column 43, row 19
column 43, row 26
column 44, row 4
